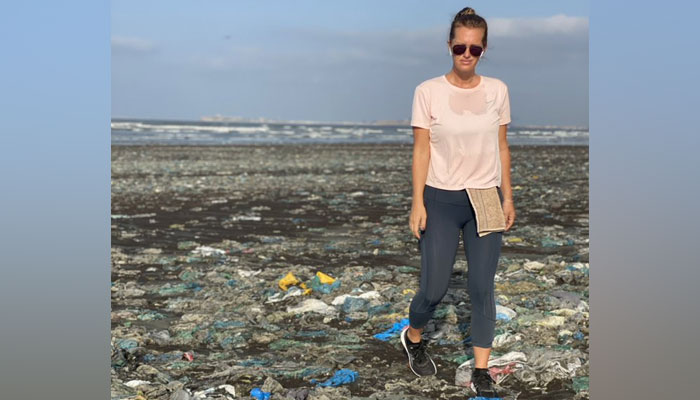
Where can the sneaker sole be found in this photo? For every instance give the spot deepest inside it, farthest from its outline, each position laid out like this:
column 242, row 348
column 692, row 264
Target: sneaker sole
column 405, row 347
column 473, row 388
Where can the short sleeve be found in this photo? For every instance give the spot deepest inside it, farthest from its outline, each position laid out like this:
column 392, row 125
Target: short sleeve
column 504, row 109
column 421, row 108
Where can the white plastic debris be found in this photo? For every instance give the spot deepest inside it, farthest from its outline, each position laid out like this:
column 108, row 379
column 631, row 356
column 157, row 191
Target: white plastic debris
column 504, row 313
column 339, row 300
column 136, row 382
column 229, row 389
column 312, row 305
column 207, row 251
column 499, row 367
column 533, row 266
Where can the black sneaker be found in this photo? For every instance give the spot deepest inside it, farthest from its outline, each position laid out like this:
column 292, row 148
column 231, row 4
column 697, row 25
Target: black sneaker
column 482, row 383
column 418, row 359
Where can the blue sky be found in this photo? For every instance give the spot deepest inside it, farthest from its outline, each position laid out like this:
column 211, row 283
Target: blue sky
column 337, row 61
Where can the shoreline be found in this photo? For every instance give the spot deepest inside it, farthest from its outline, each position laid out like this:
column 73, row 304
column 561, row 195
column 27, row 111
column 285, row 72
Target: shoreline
column 322, row 144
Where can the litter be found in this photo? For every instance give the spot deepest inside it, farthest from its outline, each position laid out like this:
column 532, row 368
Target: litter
column 227, row 263
column 340, row 377
column 393, row 331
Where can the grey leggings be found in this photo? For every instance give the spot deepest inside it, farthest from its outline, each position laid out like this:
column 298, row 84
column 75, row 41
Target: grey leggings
column 450, row 211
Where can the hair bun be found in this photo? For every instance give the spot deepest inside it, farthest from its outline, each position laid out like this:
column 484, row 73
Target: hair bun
column 467, row 11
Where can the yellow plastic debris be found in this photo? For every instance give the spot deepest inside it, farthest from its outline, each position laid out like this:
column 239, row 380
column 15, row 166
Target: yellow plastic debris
column 514, row 240
column 287, row 281
column 307, row 290
column 325, row 279
column 407, row 291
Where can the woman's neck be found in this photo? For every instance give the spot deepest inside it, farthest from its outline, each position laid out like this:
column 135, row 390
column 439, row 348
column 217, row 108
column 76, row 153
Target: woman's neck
column 466, row 82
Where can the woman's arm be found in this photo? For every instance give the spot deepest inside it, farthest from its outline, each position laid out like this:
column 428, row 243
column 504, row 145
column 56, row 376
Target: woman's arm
column 506, row 189
column 505, row 163
column 421, row 160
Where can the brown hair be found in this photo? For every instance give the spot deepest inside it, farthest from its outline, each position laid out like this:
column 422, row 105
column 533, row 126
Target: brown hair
column 468, row 18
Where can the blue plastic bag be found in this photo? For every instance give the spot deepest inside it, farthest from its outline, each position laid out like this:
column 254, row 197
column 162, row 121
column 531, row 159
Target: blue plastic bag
column 341, row 377
column 259, row 394
column 393, row 331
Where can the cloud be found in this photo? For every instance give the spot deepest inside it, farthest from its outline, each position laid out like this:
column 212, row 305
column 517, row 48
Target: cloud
column 133, row 45
column 554, row 25
column 312, row 52
column 327, row 73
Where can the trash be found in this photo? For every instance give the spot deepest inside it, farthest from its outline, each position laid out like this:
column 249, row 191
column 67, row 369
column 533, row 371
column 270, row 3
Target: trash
column 379, row 309
column 544, row 366
column 186, row 245
column 352, row 304
column 203, row 393
column 229, row 389
column 290, row 280
column 553, row 321
column 298, row 393
column 312, row 305
column 127, row 344
column 207, row 251
column 581, row 383
column 506, row 340
column 277, row 297
column 499, row 368
column 180, row 395
column 340, row 300
column 200, row 298
column 325, row 279
column 324, row 283
column 259, row 394
column 271, row 386
column 504, row 313
column 393, row 331
column 533, row 266
column 340, row 377
column 136, row 383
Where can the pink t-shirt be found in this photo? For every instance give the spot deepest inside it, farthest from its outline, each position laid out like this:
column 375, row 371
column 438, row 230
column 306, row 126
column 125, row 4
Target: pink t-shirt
column 463, row 126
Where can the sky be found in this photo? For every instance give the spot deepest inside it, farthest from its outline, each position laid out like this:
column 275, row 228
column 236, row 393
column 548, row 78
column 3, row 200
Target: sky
column 337, row 61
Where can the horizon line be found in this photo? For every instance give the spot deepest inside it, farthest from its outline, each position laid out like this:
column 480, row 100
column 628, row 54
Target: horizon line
column 261, row 120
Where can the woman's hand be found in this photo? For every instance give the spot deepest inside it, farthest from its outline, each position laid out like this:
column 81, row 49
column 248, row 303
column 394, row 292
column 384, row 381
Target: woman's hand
column 509, row 213
column 418, row 218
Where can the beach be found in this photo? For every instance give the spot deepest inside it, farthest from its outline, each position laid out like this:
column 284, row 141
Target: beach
column 202, row 235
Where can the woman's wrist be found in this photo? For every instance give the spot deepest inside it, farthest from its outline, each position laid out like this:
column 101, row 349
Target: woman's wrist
column 507, row 200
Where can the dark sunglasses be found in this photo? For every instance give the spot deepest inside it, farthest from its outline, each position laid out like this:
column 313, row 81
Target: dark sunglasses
column 474, row 50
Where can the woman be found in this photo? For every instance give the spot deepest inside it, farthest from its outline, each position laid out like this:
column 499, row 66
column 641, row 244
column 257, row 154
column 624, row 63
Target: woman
column 459, row 125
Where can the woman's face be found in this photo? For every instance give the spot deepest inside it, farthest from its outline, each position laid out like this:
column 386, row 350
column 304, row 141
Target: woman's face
column 466, row 63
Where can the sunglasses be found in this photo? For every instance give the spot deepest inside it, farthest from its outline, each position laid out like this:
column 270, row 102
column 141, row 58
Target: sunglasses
column 474, row 50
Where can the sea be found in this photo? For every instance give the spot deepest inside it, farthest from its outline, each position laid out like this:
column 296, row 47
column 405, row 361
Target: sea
column 162, row 132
